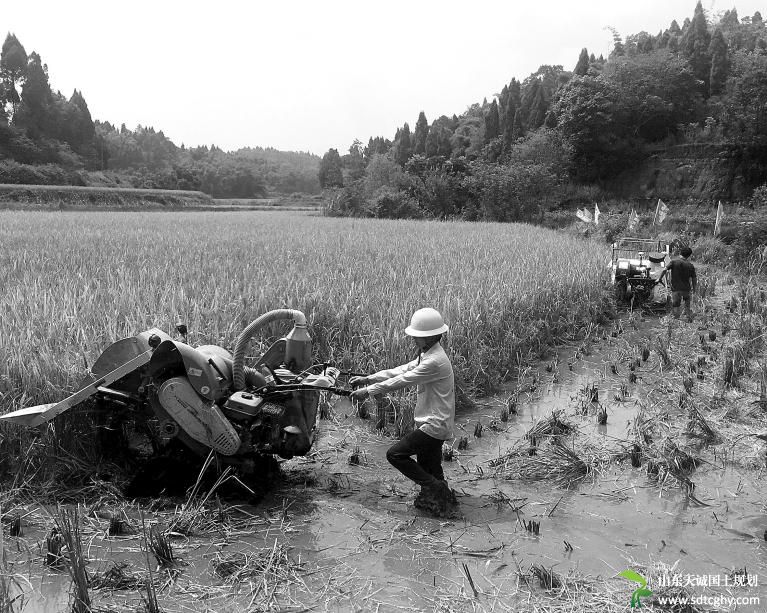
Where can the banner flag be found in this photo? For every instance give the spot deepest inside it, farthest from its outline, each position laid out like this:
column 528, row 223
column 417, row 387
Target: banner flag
column 584, row 215
column 661, row 212
column 718, row 222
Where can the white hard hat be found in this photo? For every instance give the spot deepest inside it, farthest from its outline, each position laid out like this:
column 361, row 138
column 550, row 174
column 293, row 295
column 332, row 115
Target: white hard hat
column 426, row 322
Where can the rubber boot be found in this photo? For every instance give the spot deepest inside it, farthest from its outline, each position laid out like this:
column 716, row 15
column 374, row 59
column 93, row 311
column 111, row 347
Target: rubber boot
column 438, row 500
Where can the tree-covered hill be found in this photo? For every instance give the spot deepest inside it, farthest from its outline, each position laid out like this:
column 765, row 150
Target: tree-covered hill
column 46, row 138
column 567, row 135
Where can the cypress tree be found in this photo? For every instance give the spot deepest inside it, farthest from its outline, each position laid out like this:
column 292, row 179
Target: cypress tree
column 695, row 43
column 419, row 136
column 34, row 111
column 537, row 114
column 518, row 128
column 503, row 100
column 582, row 67
column 719, row 63
column 13, row 62
column 492, row 122
column 513, row 104
column 81, row 126
column 403, row 147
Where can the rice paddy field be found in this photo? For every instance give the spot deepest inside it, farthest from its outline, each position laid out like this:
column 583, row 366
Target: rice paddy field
column 75, row 282
column 599, row 453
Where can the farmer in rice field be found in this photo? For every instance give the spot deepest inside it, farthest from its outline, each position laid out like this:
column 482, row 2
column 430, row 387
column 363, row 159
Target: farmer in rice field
column 683, row 282
column 432, row 373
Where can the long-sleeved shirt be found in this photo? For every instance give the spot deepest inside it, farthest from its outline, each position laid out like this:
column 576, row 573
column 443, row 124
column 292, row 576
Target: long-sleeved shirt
column 432, row 373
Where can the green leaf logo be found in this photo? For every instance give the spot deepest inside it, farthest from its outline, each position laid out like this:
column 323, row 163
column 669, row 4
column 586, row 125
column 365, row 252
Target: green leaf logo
column 641, row 591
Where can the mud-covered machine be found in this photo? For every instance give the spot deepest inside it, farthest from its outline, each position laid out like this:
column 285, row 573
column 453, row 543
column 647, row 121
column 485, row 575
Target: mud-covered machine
column 206, row 397
column 637, row 265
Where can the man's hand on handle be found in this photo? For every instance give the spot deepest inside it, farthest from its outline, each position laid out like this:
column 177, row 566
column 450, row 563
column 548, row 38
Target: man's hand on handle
column 358, row 381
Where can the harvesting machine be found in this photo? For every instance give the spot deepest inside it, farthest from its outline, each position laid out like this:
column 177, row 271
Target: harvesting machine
column 206, row 397
column 637, row 264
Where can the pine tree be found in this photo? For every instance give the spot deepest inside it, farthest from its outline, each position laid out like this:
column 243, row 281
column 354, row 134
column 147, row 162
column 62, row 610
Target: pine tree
column 538, row 109
column 438, row 142
column 403, row 147
column 731, row 29
column 518, row 127
column 419, row 136
column 582, row 67
column 80, row 127
column 719, row 63
column 513, row 103
column 729, row 19
column 492, row 122
column 34, row 111
column 13, row 62
column 648, row 45
column 695, row 43
column 529, row 97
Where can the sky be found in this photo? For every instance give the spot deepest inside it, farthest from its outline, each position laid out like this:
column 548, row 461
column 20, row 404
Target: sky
column 306, row 75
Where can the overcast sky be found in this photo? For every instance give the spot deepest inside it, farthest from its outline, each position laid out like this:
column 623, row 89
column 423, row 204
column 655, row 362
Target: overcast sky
column 308, row 75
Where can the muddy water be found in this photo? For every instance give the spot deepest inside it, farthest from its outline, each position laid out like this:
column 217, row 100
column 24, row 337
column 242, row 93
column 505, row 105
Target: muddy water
column 620, row 520
column 364, row 547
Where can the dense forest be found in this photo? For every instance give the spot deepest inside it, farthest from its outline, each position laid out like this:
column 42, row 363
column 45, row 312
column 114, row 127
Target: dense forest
column 557, row 138
column 565, row 136
column 48, row 139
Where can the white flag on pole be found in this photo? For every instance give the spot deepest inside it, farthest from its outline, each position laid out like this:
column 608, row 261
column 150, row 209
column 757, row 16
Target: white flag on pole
column 661, row 211
column 633, row 220
column 596, row 213
column 718, row 222
column 584, row 215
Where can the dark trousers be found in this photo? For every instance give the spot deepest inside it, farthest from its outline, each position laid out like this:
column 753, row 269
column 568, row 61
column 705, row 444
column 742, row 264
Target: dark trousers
column 426, row 469
column 676, row 301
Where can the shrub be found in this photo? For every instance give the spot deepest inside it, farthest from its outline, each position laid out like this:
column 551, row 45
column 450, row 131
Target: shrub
column 711, row 250
column 759, row 197
column 390, row 204
column 746, row 240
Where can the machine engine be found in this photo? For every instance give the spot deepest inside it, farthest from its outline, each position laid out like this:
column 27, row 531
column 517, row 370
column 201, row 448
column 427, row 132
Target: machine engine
column 205, row 396
column 636, row 265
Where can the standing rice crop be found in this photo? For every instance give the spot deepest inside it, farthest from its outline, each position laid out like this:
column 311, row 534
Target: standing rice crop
column 75, row 282
column 69, row 521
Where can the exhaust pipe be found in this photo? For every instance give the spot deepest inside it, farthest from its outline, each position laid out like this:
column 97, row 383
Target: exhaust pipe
column 298, row 347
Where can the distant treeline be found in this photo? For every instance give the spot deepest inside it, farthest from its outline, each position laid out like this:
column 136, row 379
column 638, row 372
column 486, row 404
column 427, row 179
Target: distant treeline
column 562, row 136
column 48, row 139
